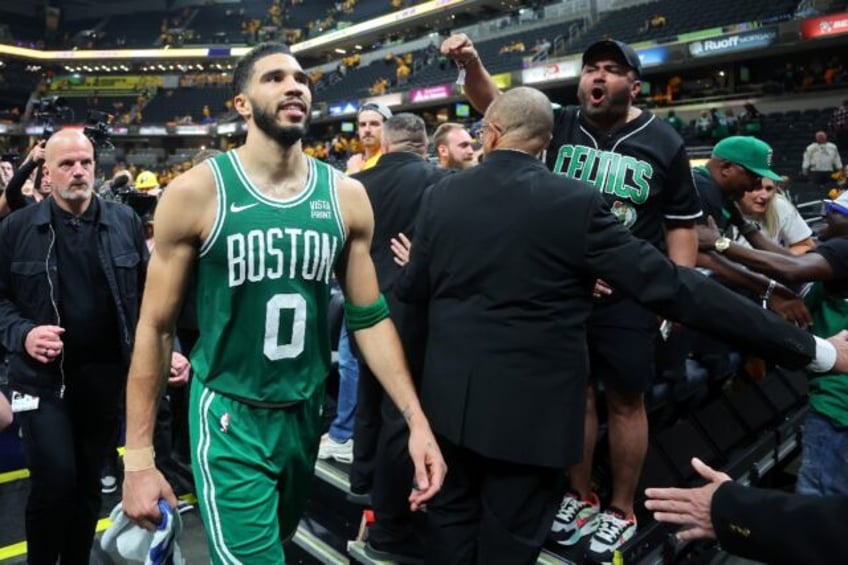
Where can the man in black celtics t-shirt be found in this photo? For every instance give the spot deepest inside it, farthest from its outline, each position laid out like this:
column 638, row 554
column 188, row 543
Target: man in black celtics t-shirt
column 640, row 165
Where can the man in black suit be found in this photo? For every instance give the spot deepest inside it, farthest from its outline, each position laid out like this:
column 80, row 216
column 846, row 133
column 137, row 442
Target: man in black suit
column 506, row 255
column 761, row 524
column 395, row 186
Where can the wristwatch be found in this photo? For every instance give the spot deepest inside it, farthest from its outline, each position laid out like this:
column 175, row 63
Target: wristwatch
column 721, row 244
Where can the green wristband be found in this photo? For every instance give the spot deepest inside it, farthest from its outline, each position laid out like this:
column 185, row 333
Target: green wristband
column 361, row 317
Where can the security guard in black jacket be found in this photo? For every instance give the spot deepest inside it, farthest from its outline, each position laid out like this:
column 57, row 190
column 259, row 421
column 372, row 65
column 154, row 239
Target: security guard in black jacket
column 395, row 187
column 71, row 276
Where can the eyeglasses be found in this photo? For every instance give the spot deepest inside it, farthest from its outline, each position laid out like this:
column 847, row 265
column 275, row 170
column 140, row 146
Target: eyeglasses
column 483, row 128
column 830, row 207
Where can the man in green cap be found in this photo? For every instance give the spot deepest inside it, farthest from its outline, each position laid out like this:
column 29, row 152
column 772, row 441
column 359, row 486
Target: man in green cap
column 738, row 165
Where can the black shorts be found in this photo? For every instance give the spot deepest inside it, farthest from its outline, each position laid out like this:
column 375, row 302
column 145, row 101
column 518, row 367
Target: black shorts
column 622, row 338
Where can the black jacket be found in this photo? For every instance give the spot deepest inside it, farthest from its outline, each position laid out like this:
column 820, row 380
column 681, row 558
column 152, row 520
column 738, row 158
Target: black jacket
column 779, row 527
column 29, row 295
column 506, row 254
column 395, row 187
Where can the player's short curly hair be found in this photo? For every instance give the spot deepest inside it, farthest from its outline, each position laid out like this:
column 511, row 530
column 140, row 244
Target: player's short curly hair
column 244, row 68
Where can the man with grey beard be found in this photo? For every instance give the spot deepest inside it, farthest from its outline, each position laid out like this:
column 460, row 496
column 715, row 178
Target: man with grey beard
column 71, row 273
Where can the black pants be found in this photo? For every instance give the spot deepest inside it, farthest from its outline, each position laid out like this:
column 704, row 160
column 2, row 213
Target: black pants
column 491, row 511
column 65, row 443
column 393, row 474
column 366, row 427
column 410, row 322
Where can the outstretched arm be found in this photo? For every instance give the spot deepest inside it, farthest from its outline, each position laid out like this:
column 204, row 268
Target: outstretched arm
column 790, row 268
column 380, row 344
column 178, row 229
column 742, row 519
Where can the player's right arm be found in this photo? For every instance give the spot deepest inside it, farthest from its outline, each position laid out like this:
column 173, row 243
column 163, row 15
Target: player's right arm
column 479, row 87
column 183, row 218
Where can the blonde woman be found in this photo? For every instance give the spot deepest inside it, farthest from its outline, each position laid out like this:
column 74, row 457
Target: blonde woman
column 769, row 214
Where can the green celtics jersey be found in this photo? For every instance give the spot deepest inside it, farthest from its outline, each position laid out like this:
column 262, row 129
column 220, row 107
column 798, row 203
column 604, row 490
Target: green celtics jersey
column 263, row 287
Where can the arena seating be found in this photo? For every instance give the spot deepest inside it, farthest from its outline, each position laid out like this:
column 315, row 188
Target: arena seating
column 139, row 29
column 627, row 24
column 168, row 104
column 221, row 23
column 357, row 81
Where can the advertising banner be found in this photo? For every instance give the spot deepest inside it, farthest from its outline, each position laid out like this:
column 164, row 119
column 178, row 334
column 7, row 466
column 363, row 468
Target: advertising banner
column 341, row 108
column 135, row 83
column 755, row 39
column 192, row 130
column 553, row 71
column 428, row 93
column 652, row 56
column 824, row 26
column 502, row 80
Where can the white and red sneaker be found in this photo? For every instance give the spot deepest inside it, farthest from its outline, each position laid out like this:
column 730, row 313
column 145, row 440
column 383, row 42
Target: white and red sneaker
column 614, row 530
column 576, row 518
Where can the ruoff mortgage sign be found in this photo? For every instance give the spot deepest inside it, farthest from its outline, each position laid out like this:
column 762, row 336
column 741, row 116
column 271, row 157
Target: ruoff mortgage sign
column 754, row 39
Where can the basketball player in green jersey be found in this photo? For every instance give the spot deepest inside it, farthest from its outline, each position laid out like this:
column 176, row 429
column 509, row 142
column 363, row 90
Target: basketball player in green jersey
column 263, row 225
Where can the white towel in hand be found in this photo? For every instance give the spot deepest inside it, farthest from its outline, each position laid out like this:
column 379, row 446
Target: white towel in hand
column 134, row 543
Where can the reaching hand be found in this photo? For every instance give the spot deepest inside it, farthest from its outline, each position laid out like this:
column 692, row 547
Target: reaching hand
column 401, row 248
column 142, row 491
column 430, row 466
column 791, row 309
column 688, row 507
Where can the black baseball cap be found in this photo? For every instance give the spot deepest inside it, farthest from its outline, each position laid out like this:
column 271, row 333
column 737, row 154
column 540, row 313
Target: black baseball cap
column 618, row 49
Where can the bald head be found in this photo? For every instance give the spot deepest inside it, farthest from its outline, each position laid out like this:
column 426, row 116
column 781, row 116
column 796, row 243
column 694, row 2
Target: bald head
column 523, row 118
column 69, row 160
column 64, row 139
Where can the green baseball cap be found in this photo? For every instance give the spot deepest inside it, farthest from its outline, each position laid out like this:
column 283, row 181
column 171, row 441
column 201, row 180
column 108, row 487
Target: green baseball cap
column 749, row 152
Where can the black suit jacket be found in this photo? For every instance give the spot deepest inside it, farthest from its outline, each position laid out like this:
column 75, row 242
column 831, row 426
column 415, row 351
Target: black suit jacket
column 506, row 255
column 395, row 187
column 779, row 527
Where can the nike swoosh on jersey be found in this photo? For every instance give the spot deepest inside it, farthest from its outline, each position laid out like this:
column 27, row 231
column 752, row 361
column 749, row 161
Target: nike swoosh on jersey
column 236, row 209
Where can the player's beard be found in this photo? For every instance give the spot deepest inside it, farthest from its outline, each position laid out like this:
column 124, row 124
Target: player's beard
column 284, row 135
column 612, row 110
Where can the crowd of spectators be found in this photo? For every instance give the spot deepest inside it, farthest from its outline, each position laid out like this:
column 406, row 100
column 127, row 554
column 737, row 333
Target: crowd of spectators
column 713, row 125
